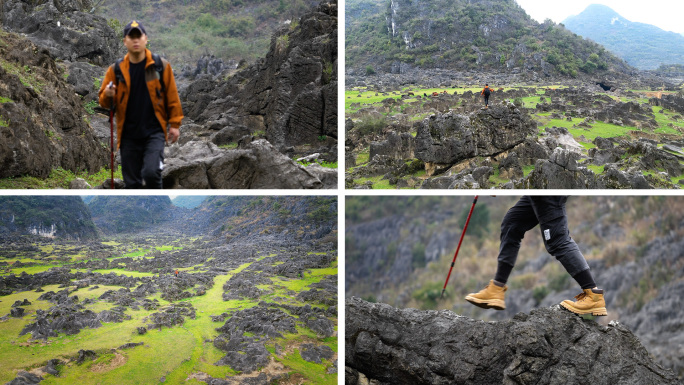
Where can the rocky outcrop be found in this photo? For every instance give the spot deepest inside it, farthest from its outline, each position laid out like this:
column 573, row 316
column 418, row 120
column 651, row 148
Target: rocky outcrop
column 446, row 139
column 561, row 171
column 257, row 164
column 546, row 346
column 48, row 217
column 60, row 27
column 398, row 146
column 42, row 121
column 290, row 95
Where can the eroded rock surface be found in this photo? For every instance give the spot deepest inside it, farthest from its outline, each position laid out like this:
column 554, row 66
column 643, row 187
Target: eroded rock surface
column 547, row 346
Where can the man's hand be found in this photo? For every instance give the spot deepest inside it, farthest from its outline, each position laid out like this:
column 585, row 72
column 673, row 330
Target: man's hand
column 174, row 134
column 110, row 91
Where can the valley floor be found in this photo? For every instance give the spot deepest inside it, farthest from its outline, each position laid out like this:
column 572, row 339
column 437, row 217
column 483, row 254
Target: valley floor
column 275, row 308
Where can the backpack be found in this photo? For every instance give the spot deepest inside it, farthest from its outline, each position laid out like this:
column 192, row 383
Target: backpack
column 487, row 92
column 158, row 66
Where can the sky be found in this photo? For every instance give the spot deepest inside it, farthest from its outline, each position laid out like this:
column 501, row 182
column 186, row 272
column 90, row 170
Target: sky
column 664, row 14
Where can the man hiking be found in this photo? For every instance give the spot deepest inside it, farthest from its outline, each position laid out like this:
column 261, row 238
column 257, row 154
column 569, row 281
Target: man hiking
column 549, row 213
column 148, row 109
column 486, row 92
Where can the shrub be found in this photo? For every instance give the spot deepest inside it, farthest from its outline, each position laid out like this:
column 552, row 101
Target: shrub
column 371, row 125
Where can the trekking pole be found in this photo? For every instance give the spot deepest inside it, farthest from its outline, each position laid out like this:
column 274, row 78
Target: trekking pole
column 111, row 136
column 459, row 246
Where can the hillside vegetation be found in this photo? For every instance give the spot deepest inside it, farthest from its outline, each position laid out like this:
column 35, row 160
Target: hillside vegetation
column 479, row 34
column 184, row 30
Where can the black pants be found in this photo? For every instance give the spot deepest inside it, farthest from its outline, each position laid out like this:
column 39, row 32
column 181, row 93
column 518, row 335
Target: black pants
column 549, row 213
column 142, row 160
column 486, row 97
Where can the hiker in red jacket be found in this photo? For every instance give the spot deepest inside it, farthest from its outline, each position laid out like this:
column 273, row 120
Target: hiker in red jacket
column 486, row 92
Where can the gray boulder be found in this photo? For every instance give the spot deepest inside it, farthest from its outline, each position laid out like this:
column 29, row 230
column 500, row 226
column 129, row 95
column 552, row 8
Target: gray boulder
column 25, row 378
column 257, row 164
column 399, row 146
column 561, row 172
column 86, row 79
column 450, row 138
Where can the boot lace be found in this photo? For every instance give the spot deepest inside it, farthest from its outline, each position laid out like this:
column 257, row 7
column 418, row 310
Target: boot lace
column 580, row 297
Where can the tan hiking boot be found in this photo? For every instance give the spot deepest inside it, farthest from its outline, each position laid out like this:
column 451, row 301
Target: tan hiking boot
column 491, row 297
column 589, row 302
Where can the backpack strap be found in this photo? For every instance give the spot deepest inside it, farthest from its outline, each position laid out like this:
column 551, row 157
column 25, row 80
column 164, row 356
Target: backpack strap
column 117, row 72
column 159, row 65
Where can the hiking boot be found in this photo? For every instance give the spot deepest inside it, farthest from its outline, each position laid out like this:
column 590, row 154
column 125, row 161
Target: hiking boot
column 588, row 302
column 491, row 297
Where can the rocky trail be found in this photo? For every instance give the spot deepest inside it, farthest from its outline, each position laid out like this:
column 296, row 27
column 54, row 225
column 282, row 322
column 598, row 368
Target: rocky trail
column 386, row 345
column 562, row 137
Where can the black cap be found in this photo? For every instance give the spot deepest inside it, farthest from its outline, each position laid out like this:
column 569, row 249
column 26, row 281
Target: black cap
column 132, row 26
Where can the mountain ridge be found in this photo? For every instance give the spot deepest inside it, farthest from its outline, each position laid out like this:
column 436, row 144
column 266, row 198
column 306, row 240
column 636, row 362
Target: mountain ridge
column 642, row 45
column 488, row 35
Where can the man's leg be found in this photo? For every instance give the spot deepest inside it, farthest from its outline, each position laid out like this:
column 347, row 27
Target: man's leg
column 152, row 161
column 518, row 220
column 132, row 152
column 558, row 243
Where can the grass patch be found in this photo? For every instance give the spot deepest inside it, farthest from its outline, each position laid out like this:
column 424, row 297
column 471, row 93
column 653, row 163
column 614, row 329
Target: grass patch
column 527, row 169
column 378, row 182
column 596, row 169
column 59, row 178
column 25, row 75
column 29, row 270
column 313, row 372
column 362, row 158
column 90, row 106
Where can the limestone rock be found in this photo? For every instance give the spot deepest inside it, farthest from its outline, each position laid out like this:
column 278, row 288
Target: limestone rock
column 450, row 138
column 548, row 345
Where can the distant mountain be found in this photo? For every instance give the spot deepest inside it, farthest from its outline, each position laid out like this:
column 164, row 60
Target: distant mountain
column 188, row 201
column 47, row 216
column 486, row 35
column 125, row 214
column 642, row 45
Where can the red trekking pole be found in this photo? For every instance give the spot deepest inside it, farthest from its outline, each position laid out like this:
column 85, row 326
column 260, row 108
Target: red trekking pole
column 111, row 136
column 459, row 246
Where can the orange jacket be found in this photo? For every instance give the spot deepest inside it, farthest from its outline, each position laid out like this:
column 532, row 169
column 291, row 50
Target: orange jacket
column 173, row 103
column 483, row 90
